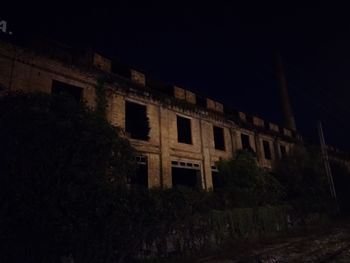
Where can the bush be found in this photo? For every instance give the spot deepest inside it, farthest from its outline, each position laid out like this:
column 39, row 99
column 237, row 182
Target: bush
column 245, row 184
column 302, row 175
column 62, row 168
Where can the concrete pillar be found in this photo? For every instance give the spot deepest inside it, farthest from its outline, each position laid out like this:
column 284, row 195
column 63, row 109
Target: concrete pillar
column 252, row 141
column 234, row 138
column 259, row 151
column 117, row 114
column 207, row 176
column 276, row 146
column 166, row 179
column 274, row 153
column 152, row 114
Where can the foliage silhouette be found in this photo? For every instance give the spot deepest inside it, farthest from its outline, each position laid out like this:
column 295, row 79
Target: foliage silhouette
column 62, row 170
column 245, row 184
column 302, row 175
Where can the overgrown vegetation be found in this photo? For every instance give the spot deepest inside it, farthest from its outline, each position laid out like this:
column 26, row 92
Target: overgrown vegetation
column 303, row 177
column 63, row 192
column 245, row 184
column 60, row 166
column 101, row 99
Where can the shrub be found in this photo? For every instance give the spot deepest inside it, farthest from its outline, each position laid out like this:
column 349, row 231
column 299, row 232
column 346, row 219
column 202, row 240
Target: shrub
column 245, row 184
column 302, row 175
column 62, row 168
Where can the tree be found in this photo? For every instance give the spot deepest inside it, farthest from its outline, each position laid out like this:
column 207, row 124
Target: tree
column 62, row 169
column 247, row 184
column 302, row 175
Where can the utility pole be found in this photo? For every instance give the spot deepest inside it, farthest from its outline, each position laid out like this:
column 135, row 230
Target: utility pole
column 326, row 165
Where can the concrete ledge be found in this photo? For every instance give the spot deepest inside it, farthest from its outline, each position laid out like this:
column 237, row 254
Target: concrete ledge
column 258, row 121
column 273, row 127
column 179, row 93
column 242, row 116
column 138, row 78
column 287, row 132
column 102, row 63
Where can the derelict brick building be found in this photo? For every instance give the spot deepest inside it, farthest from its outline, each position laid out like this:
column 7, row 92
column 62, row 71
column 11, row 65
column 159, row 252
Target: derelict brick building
column 188, row 133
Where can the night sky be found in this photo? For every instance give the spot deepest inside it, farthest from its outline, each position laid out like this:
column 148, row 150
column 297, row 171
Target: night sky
column 224, row 51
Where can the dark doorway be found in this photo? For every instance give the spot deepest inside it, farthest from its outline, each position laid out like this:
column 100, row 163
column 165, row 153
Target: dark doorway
column 186, row 177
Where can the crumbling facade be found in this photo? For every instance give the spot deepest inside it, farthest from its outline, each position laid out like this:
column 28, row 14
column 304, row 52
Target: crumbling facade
column 188, row 133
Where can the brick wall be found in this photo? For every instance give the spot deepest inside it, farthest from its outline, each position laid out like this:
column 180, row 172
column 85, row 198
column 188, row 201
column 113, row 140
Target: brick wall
column 28, row 71
column 138, row 78
column 102, row 62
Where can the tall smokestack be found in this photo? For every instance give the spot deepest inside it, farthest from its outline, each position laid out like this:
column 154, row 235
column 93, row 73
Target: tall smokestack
column 289, row 120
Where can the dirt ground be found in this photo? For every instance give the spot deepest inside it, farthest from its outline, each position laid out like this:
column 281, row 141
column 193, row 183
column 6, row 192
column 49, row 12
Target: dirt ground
column 322, row 243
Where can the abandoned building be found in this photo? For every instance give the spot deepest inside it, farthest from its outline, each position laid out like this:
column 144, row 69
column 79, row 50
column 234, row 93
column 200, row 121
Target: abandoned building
column 187, row 133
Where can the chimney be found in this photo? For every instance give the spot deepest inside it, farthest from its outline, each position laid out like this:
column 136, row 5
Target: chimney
column 289, row 120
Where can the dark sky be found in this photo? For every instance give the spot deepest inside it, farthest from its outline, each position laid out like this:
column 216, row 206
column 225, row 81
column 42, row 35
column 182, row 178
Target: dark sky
column 222, row 50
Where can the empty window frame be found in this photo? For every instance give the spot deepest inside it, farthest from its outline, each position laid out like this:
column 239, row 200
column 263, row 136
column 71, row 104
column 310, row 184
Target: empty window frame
column 219, row 140
column 245, row 142
column 184, row 134
column 185, row 164
column 283, row 151
column 184, row 177
column 59, row 87
column 136, row 121
column 218, row 183
column 267, row 150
